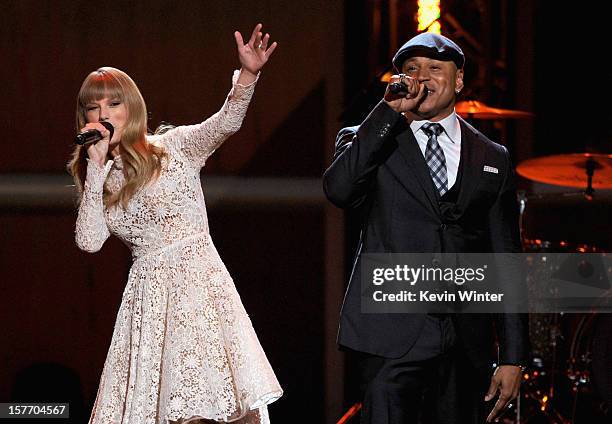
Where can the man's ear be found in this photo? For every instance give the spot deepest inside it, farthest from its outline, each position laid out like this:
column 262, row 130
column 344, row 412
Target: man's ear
column 459, row 81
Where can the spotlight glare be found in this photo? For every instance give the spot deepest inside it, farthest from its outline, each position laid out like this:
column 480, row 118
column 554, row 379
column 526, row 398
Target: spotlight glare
column 428, row 16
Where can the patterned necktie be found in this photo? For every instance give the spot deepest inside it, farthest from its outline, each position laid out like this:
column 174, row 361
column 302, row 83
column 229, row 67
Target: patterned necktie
column 434, row 156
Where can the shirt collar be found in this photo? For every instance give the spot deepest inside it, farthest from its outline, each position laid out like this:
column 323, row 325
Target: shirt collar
column 450, row 124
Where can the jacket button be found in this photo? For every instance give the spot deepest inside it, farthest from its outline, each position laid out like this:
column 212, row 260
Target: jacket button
column 443, row 227
column 384, row 130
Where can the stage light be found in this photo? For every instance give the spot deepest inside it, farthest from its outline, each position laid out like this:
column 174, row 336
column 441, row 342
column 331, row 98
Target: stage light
column 386, row 77
column 428, row 15
column 427, row 18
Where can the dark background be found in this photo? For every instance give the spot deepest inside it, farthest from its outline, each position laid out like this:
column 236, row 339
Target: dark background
column 288, row 250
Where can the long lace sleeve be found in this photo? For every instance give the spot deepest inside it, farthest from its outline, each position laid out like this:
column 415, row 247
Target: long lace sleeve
column 198, row 142
column 91, row 229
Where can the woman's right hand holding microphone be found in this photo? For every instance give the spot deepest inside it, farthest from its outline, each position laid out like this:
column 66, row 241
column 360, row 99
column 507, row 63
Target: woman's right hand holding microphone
column 97, row 151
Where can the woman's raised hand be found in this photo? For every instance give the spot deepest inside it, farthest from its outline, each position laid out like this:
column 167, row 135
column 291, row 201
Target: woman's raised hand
column 255, row 53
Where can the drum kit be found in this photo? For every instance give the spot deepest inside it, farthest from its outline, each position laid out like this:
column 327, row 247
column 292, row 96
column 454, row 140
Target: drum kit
column 570, row 377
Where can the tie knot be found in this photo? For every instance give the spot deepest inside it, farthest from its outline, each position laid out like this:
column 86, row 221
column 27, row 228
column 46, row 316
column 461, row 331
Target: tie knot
column 431, row 128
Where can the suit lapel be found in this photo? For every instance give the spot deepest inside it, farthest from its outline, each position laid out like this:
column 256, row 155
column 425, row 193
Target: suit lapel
column 472, row 151
column 409, row 165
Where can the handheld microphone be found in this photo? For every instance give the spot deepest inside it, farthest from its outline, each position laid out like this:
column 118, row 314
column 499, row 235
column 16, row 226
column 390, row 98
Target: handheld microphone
column 92, row 136
column 401, row 89
column 398, row 88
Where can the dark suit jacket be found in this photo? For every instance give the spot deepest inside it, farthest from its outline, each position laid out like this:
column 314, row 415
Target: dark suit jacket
column 379, row 170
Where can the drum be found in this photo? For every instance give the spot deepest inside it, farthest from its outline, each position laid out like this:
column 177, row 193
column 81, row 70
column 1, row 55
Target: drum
column 566, row 222
column 575, row 386
column 570, row 380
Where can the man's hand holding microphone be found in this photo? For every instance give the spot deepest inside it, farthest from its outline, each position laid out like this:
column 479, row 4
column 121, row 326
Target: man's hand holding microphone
column 404, row 93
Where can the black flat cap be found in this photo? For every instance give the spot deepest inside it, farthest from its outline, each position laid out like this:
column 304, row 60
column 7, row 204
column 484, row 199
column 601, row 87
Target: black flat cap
column 428, row 44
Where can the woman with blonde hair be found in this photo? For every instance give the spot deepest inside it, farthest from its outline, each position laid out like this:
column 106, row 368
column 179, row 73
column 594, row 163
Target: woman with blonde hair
column 183, row 348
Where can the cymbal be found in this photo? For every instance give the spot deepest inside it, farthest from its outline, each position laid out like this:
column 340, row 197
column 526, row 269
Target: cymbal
column 478, row 110
column 569, row 170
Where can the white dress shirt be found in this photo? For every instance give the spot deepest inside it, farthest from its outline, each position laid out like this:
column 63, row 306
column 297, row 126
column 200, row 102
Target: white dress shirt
column 449, row 140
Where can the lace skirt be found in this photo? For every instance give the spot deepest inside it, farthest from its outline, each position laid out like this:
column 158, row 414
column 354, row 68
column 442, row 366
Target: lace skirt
column 183, row 347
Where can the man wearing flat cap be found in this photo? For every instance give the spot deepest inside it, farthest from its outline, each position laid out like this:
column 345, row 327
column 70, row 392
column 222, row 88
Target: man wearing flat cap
column 425, row 181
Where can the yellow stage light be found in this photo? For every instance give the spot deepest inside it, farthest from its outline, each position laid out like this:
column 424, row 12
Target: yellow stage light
column 428, row 15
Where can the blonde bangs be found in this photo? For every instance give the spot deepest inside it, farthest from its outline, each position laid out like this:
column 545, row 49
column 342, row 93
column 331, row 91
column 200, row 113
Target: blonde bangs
column 99, row 86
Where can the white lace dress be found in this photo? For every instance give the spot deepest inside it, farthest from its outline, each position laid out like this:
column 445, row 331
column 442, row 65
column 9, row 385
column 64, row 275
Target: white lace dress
column 183, row 346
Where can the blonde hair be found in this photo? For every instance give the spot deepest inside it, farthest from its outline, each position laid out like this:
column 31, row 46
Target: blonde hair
column 141, row 160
